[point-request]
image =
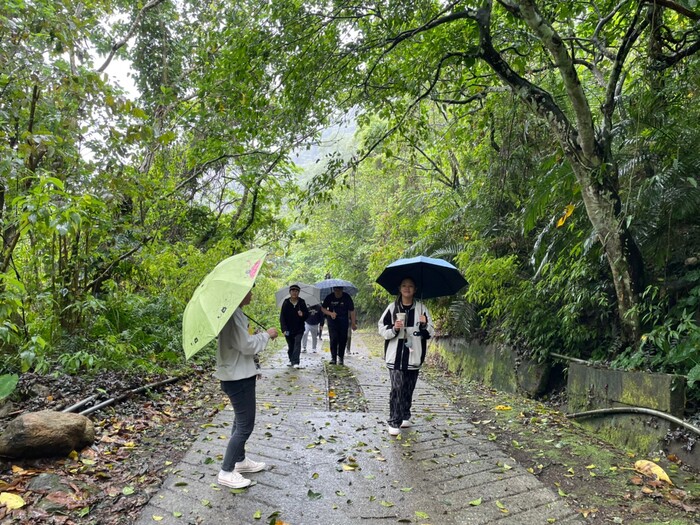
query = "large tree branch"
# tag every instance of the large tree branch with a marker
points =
(675, 6)
(634, 30)
(552, 41)
(539, 100)
(116, 47)
(436, 21)
(105, 274)
(665, 62)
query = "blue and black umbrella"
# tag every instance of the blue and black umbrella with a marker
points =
(326, 286)
(433, 277)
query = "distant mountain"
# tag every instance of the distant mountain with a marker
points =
(337, 138)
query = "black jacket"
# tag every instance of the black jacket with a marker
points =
(290, 320)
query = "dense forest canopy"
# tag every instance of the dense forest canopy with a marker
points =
(547, 148)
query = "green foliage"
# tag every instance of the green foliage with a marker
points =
(114, 206)
(672, 344)
(8, 383)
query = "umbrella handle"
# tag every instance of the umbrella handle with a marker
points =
(257, 323)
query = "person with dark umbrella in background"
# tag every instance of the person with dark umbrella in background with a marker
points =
(293, 314)
(339, 307)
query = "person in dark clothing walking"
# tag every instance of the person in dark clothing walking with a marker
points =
(293, 314)
(313, 327)
(339, 307)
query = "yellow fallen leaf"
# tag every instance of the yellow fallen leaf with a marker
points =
(348, 467)
(586, 512)
(652, 470)
(157, 518)
(503, 407)
(11, 501)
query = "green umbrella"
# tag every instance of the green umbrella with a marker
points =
(217, 297)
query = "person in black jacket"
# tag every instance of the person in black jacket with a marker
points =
(340, 310)
(313, 326)
(293, 314)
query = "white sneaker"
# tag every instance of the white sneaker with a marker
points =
(313, 350)
(232, 479)
(406, 423)
(303, 350)
(248, 465)
(298, 367)
(394, 431)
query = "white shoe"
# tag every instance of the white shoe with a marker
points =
(303, 350)
(313, 350)
(394, 431)
(232, 479)
(406, 423)
(298, 367)
(248, 465)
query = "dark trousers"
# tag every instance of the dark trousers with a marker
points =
(403, 383)
(294, 347)
(242, 396)
(338, 334)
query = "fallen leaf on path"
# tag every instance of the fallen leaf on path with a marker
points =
(11, 501)
(586, 512)
(652, 470)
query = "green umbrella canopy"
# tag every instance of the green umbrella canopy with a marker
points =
(217, 297)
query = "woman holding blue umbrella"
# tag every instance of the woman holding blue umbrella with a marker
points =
(406, 326)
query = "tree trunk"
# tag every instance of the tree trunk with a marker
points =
(623, 255)
(589, 157)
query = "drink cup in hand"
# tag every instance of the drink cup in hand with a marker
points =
(401, 318)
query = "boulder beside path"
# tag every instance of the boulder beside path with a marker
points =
(45, 434)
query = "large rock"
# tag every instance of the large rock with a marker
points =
(46, 433)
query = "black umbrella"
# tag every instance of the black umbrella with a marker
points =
(433, 277)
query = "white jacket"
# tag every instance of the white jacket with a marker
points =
(235, 357)
(397, 354)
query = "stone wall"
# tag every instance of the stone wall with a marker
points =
(591, 387)
(588, 388)
(494, 366)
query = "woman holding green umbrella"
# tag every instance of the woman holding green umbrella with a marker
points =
(237, 370)
(214, 311)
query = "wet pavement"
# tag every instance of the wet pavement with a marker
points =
(338, 468)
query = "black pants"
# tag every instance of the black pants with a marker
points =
(338, 334)
(241, 393)
(294, 347)
(403, 383)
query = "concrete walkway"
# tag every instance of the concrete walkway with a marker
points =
(338, 468)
